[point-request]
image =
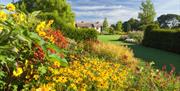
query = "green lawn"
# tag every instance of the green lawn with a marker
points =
(160, 57)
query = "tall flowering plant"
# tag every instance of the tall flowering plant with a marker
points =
(26, 49)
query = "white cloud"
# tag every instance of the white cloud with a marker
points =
(117, 13)
(97, 7)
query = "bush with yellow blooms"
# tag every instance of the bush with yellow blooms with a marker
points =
(26, 50)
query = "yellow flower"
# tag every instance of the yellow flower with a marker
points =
(102, 85)
(26, 63)
(3, 16)
(41, 26)
(36, 77)
(73, 86)
(43, 88)
(21, 17)
(17, 72)
(11, 7)
(84, 85)
(42, 33)
(49, 23)
(51, 38)
(62, 79)
(57, 63)
(15, 15)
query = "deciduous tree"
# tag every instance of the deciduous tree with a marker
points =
(59, 10)
(147, 13)
(119, 26)
(105, 25)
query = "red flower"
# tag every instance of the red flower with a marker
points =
(164, 67)
(172, 70)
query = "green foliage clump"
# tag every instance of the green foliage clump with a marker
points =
(58, 10)
(79, 34)
(137, 36)
(126, 27)
(167, 39)
(119, 26)
(147, 13)
(169, 21)
(105, 27)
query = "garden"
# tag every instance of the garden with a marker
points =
(36, 55)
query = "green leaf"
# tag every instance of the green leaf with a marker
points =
(35, 13)
(42, 69)
(2, 74)
(36, 38)
(53, 46)
(54, 57)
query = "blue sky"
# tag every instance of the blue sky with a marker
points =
(114, 10)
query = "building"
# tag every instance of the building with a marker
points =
(97, 25)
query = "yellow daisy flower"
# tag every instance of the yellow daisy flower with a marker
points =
(11, 7)
(17, 72)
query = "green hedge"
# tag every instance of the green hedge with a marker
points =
(79, 34)
(166, 39)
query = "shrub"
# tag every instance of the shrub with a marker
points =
(144, 27)
(165, 39)
(26, 49)
(136, 35)
(114, 53)
(79, 34)
(147, 78)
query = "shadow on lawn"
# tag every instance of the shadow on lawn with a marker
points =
(160, 57)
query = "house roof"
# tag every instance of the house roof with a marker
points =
(88, 24)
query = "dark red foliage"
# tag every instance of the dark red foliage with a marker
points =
(38, 53)
(52, 50)
(59, 39)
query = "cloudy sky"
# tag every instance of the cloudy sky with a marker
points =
(114, 10)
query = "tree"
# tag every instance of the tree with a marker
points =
(119, 26)
(169, 21)
(126, 26)
(105, 27)
(59, 10)
(134, 23)
(147, 13)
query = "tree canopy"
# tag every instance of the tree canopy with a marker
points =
(119, 26)
(59, 10)
(105, 25)
(147, 13)
(169, 21)
(126, 26)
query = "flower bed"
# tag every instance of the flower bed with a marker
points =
(33, 56)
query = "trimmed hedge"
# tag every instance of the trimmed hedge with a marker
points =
(166, 39)
(79, 34)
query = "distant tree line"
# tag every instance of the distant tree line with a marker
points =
(146, 17)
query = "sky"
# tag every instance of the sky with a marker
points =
(115, 10)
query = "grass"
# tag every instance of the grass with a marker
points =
(160, 57)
